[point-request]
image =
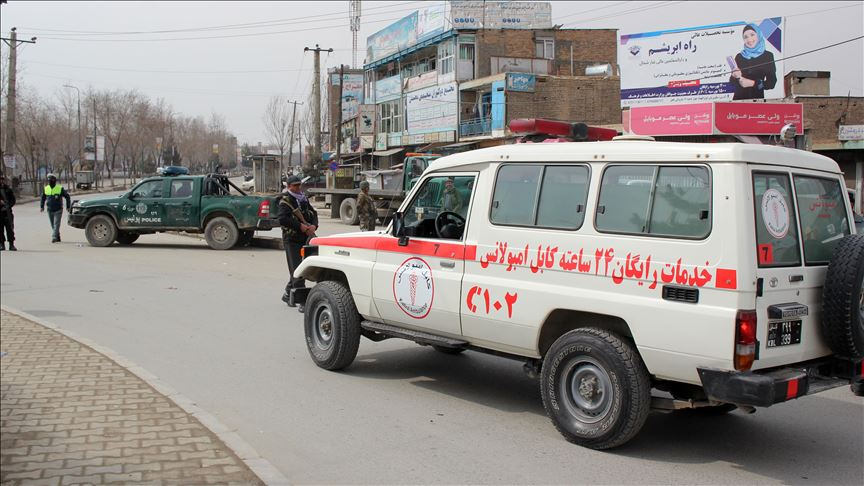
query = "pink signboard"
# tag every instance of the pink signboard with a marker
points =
(758, 118)
(689, 119)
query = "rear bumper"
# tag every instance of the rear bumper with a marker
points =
(764, 388)
(267, 224)
(77, 220)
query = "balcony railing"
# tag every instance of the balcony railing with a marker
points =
(475, 127)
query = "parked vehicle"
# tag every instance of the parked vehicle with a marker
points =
(193, 204)
(387, 188)
(723, 275)
(85, 179)
(248, 183)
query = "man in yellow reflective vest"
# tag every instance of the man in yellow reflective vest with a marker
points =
(54, 194)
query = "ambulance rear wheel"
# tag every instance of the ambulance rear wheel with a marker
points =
(595, 388)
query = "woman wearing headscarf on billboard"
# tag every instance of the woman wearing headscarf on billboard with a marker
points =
(753, 71)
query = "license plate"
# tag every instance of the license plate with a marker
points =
(784, 333)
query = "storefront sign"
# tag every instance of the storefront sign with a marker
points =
(521, 82)
(432, 109)
(851, 132)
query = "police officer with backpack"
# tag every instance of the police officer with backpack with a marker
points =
(299, 220)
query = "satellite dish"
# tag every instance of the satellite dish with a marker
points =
(788, 132)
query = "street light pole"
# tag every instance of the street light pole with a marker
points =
(79, 124)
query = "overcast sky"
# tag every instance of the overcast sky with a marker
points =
(230, 57)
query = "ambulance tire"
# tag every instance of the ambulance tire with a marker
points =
(595, 388)
(332, 325)
(843, 299)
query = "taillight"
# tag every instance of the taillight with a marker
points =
(264, 209)
(745, 339)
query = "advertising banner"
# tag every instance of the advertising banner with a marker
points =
(500, 15)
(432, 109)
(367, 120)
(352, 95)
(690, 119)
(723, 62)
(426, 79)
(757, 118)
(729, 118)
(393, 38)
(388, 88)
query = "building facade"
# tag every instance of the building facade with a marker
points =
(453, 76)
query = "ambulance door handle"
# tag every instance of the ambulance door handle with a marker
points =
(448, 264)
(796, 278)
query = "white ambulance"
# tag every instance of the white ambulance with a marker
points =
(628, 275)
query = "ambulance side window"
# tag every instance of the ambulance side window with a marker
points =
(515, 198)
(823, 217)
(776, 225)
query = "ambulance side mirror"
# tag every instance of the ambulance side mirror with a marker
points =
(399, 229)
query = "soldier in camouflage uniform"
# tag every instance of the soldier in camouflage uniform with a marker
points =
(366, 208)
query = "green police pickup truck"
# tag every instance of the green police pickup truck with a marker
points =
(193, 204)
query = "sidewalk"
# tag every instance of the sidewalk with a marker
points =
(69, 415)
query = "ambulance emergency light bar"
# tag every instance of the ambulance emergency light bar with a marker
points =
(539, 129)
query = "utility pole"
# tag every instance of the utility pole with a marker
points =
(79, 125)
(291, 137)
(339, 115)
(315, 156)
(11, 141)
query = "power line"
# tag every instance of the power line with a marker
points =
(247, 71)
(627, 12)
(257, 34)
(263, 23)
(593, 10)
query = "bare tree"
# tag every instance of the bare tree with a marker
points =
(277, 123)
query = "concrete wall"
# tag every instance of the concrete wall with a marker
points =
(824, 114)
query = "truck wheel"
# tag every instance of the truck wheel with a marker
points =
(332, 326)
(595, 388)
(843, 299)
(100, 230)
(221, 233)
(125, 238)
(348, 211)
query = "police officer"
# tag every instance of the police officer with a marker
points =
(54, 194)
(366, 208)
(299, 220)
(7, 219)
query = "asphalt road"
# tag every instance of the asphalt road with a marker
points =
(210, 324)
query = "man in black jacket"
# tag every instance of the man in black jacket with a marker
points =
(7, 219)
(54, 194)
(299, 220)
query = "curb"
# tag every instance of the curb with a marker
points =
(259, 466)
